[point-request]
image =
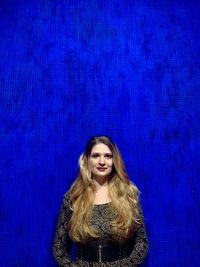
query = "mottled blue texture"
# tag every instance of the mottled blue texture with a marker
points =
(73, 69)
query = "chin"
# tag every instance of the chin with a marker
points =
(103, 174)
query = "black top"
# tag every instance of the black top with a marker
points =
(101, 218)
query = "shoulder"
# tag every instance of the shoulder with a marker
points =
(66, 201)
(66, 196)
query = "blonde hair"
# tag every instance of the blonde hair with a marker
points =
(123, 193)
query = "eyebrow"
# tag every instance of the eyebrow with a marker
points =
(97, 153)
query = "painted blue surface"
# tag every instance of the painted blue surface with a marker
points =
(73, 69)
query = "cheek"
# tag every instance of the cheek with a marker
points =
(92, 163)
(111, 164)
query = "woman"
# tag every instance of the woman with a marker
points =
(101, 213)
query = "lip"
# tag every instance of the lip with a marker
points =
(101, 169)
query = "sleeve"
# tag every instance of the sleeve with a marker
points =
(62, 242)
(141, 246)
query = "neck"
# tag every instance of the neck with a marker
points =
(101, 192)
(100, 183)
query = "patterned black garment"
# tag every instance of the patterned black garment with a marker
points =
(102, 216)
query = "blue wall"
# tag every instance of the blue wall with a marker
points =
(73, 69)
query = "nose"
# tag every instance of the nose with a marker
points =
(101, 161)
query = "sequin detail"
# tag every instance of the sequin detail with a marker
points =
(101, 219)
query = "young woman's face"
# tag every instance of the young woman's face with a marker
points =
(101, 161)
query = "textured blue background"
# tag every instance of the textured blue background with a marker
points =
(73, 69)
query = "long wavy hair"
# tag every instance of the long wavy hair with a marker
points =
(123, 193)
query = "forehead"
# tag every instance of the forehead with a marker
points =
(100, 148)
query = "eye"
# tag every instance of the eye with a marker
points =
(108, 156)
(95, 156)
